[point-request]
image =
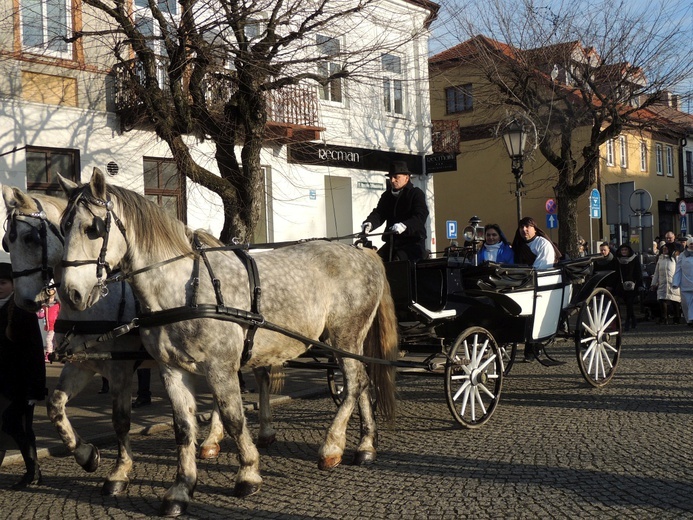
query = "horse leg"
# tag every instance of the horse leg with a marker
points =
(267, 435)
(210, 448)
(366, 450)
(227, 393)
(73, 379)
(180, 389)
(330, 454)
(120, 378)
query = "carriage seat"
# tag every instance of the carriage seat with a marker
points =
(498, 278)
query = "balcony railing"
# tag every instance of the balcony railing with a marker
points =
(445, 135)
(292, 111)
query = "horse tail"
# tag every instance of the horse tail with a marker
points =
(276, 379)
(382, 342)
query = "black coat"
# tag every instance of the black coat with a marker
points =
(409, 208)
(22, 365)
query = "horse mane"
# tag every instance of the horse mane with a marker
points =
(156, 230)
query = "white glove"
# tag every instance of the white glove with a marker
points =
(31, 402)
(366, 227)
(398, 228)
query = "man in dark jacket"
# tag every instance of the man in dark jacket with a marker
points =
(22, 375)
(403, 208)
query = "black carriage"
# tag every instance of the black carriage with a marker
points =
(467, 321)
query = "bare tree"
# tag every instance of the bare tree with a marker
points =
(583, 71)
(217, 69)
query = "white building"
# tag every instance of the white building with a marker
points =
(61, 112)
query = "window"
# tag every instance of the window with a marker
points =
(610, 152)
(459, 99)
(329, 48)
(623, 149)
(45, 25)
(151, 30)
(658, 157)
(42, 165)
(670, 161)
(643, 157)
(392, 83)
(163, 185)
(263, 230)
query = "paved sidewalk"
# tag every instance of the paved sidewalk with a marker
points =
(90, 412)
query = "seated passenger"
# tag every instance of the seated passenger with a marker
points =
(532, 247)
(496, 247)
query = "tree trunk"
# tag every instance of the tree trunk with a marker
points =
(567, 224)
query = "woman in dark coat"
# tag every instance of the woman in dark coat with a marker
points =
(22, 375)
(629, 282)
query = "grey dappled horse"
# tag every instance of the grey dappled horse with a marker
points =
(321, 290)
(35, 245)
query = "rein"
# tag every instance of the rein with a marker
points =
(39, 235)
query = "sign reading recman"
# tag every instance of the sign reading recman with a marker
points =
(348, 157)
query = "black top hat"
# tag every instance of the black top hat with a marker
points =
(398, 167)
(5, 271)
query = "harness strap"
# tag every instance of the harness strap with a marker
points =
(85, 327)
(256, 292)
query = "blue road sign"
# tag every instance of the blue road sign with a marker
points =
(551, 221)
(684, 225)
(451, 226)
(595, 204)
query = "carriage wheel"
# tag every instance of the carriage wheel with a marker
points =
(473, 377)
(508, 352)
(598, 337)
(335, 383)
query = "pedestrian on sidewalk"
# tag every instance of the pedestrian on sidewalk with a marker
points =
(49, 313)
(662, 283)
(22, 376)
(683, 279)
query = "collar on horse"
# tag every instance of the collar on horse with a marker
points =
(99, 228)
(39, 235)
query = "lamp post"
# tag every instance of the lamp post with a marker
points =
(515, 137)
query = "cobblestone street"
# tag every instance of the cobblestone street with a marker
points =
(555, 448)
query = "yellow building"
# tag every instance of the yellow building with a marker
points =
(466, 112)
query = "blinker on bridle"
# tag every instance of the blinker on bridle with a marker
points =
(38, 236)
(99, 228)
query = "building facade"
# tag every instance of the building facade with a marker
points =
(63, 109)
(465, 114)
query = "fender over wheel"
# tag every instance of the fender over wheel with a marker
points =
(598, 337)
(473, 377)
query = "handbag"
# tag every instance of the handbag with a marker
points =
(628, 285)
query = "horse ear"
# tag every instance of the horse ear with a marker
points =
(67, 185)
(98, 184)
(15, 198)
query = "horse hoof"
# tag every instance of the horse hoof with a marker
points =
(329, 462)
(362, 458)
(245, 489)
(112, 488)
(172, 508)
(266, 442)
(92, 464)
(209, 452)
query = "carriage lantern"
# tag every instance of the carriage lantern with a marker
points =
(515, 138)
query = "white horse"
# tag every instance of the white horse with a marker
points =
(35, 244)
(202, 314)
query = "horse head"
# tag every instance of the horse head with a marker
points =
(34, 242)
(92, 246)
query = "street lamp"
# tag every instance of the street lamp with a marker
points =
(515, 138)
